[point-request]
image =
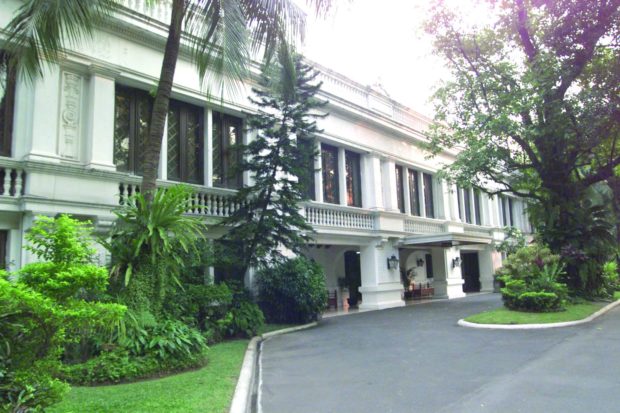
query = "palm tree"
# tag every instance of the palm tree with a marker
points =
(222, 35)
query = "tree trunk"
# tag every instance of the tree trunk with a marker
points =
(162, 98)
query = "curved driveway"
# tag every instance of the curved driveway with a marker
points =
(416, 359)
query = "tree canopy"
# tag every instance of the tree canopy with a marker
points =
(534, 106)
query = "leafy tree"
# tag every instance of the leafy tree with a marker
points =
(280, 160)
(41, 30)
(534, 106)
(149, 243)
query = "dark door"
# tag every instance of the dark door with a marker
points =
(471, 272)
(353, 276)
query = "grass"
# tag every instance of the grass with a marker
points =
(617, 295)
(504, 316)
(209, 389)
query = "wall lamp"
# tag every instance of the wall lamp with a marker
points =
(420, 262)
(392, 262)
(456, 262)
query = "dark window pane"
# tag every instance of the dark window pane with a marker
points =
(467, 202)
(233, 137)
(174, 143)
(414, 192)
(227, 132)
(429, 202)
(216, 155)
(122, 129)
(510, 212)
(306, 175)
(193, 148)
(329, 156)
(7, 104)
(460, 203)
(354, 180)
(144, 106)
(400, 199)
(429, 265)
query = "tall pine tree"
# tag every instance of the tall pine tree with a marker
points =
(281, 162)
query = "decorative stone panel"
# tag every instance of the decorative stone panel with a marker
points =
(70, 115)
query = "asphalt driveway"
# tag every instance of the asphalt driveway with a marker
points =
(416, 359)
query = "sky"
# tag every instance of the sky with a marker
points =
(382, 41)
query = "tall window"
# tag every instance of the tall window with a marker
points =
(307, 155)
(400, 198)
(185, 135)
(329, 167)
(429, 202)
(477, 211)
(414, 191)
(227, 133)
(507, 217)
(132, 114)
(7, 103)
(354, 180)
(467, 205)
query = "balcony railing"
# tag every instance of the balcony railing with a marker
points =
(211, 202)
(338, 217)
(419, 225)
(12, 181)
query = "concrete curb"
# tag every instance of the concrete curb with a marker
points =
(247, 385)
(599, 313)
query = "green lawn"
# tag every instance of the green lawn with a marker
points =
(209, 389)
(504, 316)
(617, 295)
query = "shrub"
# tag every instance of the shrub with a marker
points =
(530, 277)
(49, 305)
(246, 316)
(293, 291)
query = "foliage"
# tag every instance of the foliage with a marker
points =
(148, 243)
(246, 317)
(47, 307)
(208, 389)
(530, 278)
(513, 241)
(293, 291)
(281, 158)
(532, 106)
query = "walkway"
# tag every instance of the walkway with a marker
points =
(416, 359)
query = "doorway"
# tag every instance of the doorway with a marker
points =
(353, 276)
(471, 272)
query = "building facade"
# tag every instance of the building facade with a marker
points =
(72, 143)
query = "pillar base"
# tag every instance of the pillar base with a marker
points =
(382, 296)
(453, 288)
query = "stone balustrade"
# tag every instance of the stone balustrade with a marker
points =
(419, 225)
(338, 216)
(12, 181)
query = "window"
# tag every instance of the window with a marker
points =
(307, 155)
(400, 198)
(477, 212)
(185, 135)
(7, 104)
(429, 202)
(4, 238)
(506, 215)
(414, 192)
(329, 166)
(227, 133)
(353, 178)
(467, 205)
(429, 265)
(132, 115)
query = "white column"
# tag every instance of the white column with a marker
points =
(454, 277)
(421, 194)
(208, 151)
(318, 174)
(381, 287)
(388, 183)
(372, 193)
(485, 262)
(44, 118)
(342, 177)
(100, 119)
(406, 195)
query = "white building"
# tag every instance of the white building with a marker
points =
(71, 144)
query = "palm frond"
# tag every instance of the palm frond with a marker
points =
(42, 29)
